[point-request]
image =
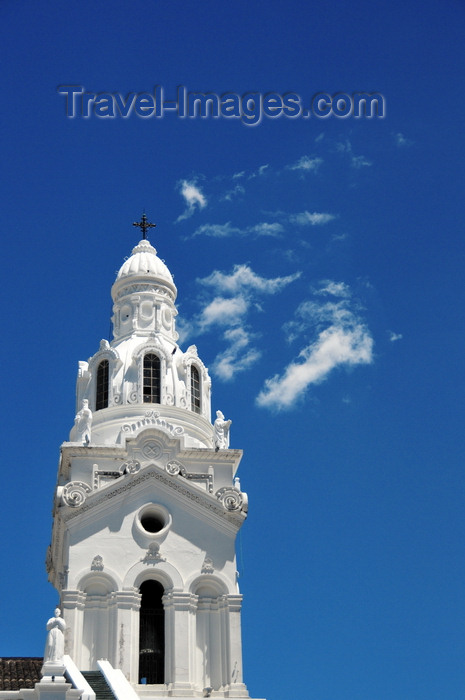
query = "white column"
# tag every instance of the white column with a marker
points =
(216, 646)
(180, 611)
(237, 689)
(126, 637)
(73, 602)
(95, 628)
(202, 668)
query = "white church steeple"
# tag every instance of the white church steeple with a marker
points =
(144, 364)
(144, 294)
(147, 506)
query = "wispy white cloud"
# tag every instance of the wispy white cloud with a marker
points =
(395, 336)
(360, 162)
(230, 314)
(356, 162)
(291, 255)
(235, 295)
(306, 218)
(259, 172)
(266, 229)
(243, 278)
(237, 182)
(193, 196)
(334, 347)
(342, 339)
(218, 230)
(317, 315)
(226, 230)
(223, 312)
(306, 163)
(344, 146)
(303, 218)
(337, 289)
(337, 237)
(235, 191)
(401, 141)
(238, 356)
(185, 328)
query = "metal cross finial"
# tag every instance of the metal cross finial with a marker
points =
(144, 225)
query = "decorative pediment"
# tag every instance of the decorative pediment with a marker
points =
(215, 505)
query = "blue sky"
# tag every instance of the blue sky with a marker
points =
(319, 266)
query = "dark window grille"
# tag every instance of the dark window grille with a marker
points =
(101, 396)
(195, 389)
(151, 380)
(152, 634)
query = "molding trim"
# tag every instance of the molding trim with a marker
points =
(192, 493)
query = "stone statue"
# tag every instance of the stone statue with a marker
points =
(83, 423)
(55, 645)
(221, 428)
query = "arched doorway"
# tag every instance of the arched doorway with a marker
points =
(152, 634)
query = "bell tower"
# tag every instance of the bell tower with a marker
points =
(147, 506)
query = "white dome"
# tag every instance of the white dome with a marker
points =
(144, 263)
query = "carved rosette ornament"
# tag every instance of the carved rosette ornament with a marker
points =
(230, 498)
(151, 450)
(174, 467)
(132, 466)
(75, 493)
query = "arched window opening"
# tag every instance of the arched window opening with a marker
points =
(101, 395)
(151, 382)
(152, 634)
(195, 389)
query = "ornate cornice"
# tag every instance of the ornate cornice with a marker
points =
(144, 288)
(213, 504)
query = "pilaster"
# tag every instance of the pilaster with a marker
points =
(180, 609)
(232, 607)
(73, 604)
(126, 632)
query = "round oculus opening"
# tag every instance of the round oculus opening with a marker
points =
(152, 522)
